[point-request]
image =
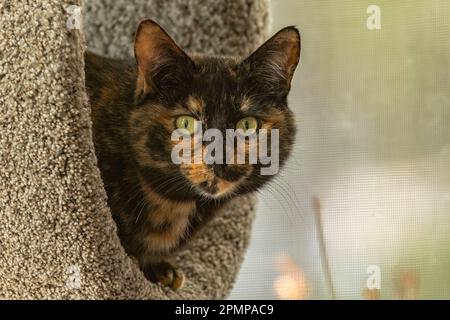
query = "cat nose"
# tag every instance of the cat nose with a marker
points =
(219, 170)
(226, 172)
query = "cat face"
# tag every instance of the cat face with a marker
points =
(196, 94)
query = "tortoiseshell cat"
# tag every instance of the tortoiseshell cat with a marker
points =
(158, 205)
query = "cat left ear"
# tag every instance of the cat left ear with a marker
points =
(276, 60)
(162, 64)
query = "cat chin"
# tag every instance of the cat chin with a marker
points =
(214, 196)
(211, 196)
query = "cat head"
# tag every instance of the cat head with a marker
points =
(176, 91)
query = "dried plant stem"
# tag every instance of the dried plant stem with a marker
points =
(322, 247)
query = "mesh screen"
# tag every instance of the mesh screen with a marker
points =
(362, 210)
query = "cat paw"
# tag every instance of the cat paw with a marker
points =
(166, 274)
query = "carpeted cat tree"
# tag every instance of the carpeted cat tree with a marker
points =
(57, 237)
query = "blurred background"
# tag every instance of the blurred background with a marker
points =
(362, 210)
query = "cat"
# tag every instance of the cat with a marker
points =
(159, 206)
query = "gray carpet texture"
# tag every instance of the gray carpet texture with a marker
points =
(57, 237)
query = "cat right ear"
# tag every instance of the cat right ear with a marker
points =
(162, 64)
(275, 61)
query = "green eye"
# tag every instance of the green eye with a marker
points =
(188, 123)
(247, 124)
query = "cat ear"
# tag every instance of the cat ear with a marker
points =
(275, 61)
(161, 63)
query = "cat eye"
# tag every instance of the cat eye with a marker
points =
(247, 124)
(188, 123)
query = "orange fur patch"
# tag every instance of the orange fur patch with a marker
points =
(275, 118)
(196, 105)
(224, 186)
(246, 104)
(176, 214)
